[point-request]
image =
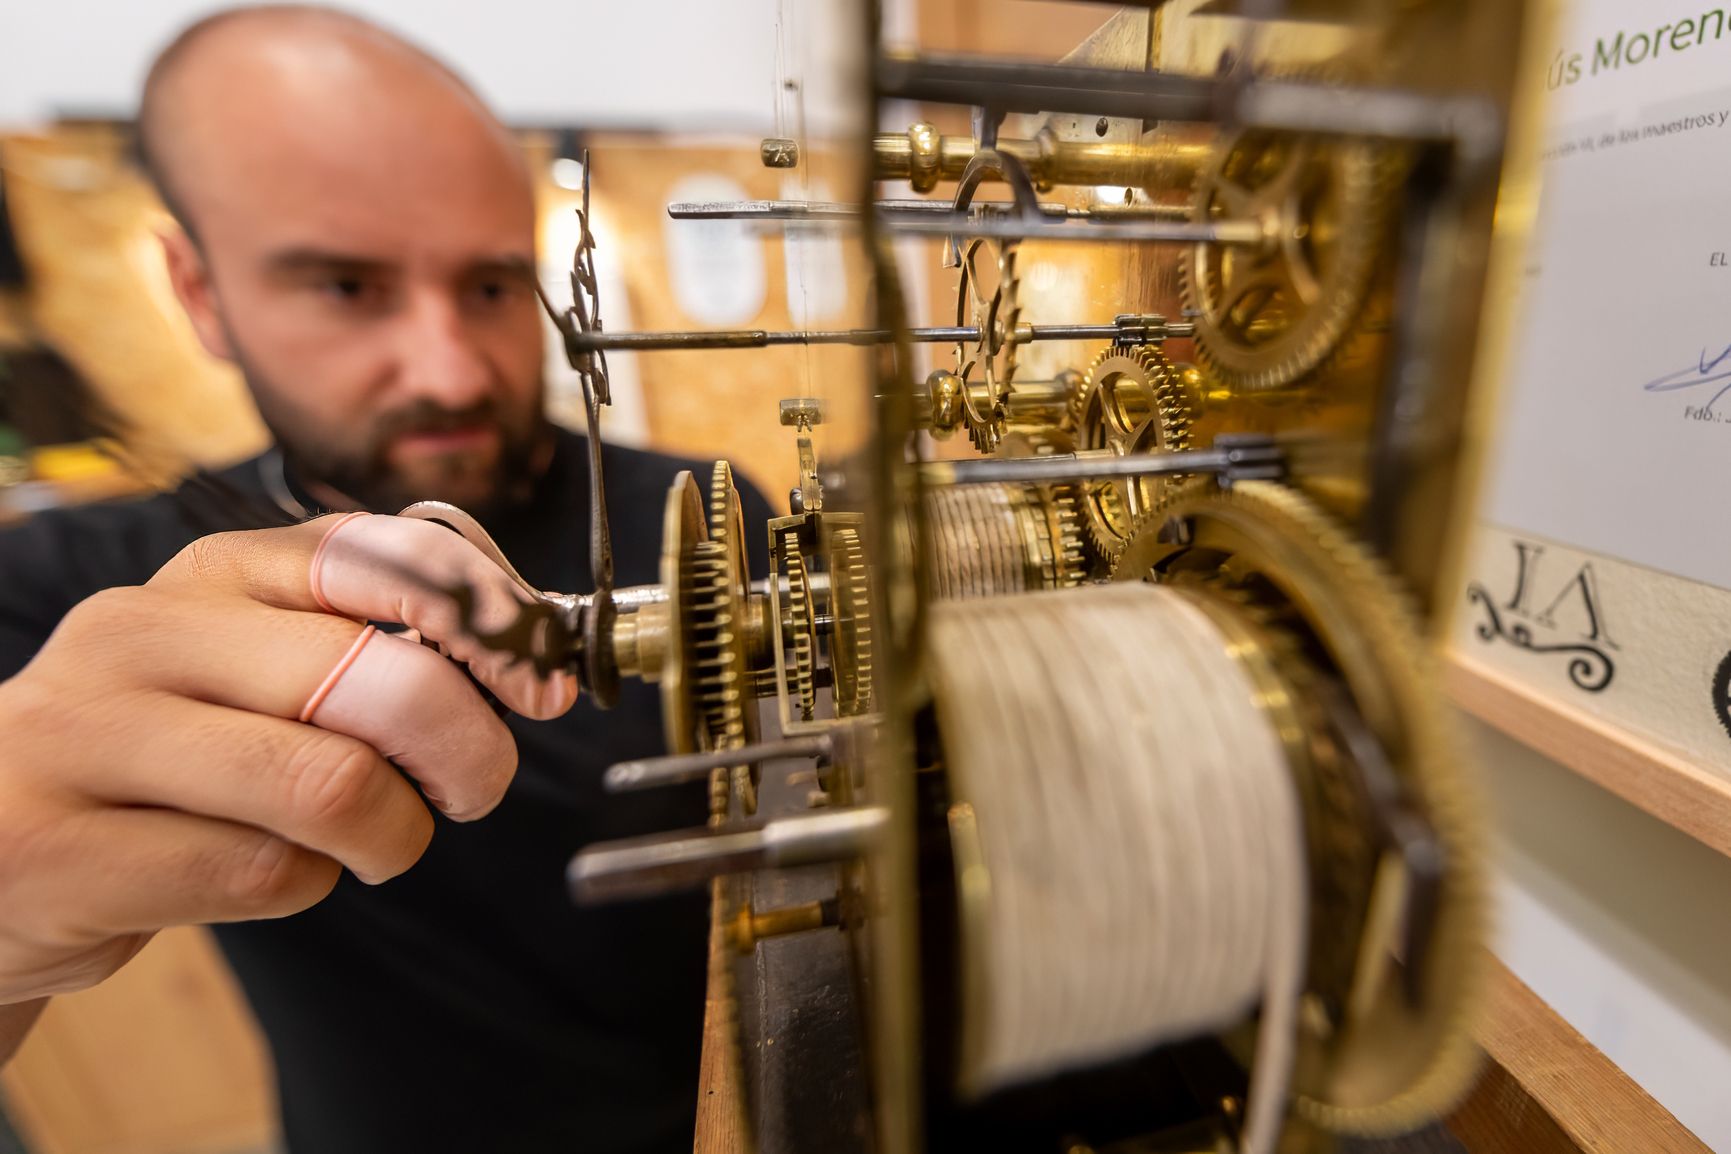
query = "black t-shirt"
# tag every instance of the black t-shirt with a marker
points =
(466, 1005)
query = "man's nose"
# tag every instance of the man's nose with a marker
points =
(440, 358)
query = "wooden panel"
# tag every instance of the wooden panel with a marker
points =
(1027, 28)
(1646, 775)
(1547, 1090)
(721, 1126)
(87, 224)
(163, 1058)
(16, 1019)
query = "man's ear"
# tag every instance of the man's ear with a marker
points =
(190, 276)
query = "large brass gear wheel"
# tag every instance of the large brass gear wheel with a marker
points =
(987, 299)
(683, 529)
(1269, 313)
(1134, 402)
(801, 624)
(726, 520)
(1404, 1052)
(850, 649)
(717, 584)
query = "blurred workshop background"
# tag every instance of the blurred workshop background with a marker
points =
(104, 392)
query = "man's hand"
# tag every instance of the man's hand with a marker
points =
(154, 772)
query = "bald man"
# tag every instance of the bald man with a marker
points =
(202, 727)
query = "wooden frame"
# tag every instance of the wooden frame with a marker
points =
(1547, 1090)
(162, 1058)
(1649, 777)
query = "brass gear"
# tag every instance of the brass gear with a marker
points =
(850, 652)
(716, 662)
(987, 365)
(802, 617)
(727, 519)
(683, 528)
(718, 584)
(1063, 508)
(1077, 398)
(1268, 314)
(1134, 401)
(1393, 1063)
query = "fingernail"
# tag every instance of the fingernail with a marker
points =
(562, 691)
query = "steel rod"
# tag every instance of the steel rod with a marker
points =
(790, 210)
(1235, 232)
(666, 863)
(761, 338)
(652, 772)
(1019, 86)
(1016, 86)
(633, 597)
(828, 211)
(814, 582)
(1150, 223)
(1257, 458)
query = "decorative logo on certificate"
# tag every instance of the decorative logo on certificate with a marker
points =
(1583, 639)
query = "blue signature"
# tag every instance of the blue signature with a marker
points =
(1702, 372)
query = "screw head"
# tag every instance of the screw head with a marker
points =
(780, 153)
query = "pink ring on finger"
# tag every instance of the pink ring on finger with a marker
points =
(336, 673)
(315, 578)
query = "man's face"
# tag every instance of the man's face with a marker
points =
(372, 274)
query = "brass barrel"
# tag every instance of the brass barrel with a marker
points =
(923, 158)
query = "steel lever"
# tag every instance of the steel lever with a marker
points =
(667, 863)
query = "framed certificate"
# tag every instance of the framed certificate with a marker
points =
(1595, 618)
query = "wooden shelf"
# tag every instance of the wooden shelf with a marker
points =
(1547, 1090)
(19, 502)
(162, 1058)
(1646, 775)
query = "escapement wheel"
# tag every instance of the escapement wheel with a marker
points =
(987, 299)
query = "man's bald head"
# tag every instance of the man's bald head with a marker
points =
(358, 235)
(271, 55)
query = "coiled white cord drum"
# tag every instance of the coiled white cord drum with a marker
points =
(991, 539)
(977, 541)
(1140, 831)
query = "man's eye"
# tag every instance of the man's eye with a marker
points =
(493, 291)
(352, 290)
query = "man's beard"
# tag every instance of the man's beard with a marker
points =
(370, 480)
(367, 478)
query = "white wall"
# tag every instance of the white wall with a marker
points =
(689, 64)
(1622, 924)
